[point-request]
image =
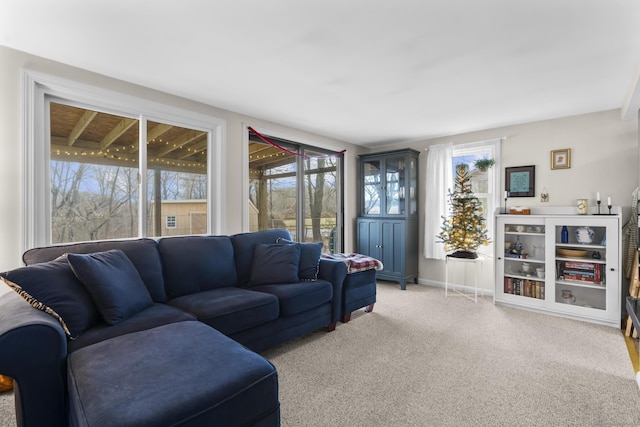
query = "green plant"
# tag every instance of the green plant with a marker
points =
(484, 164)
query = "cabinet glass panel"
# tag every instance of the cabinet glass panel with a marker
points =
(395, 185)
(524, 260)
(580, 259)
(372, 187)
(413, 181)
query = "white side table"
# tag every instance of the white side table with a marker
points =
(478, 264)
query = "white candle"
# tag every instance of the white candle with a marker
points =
(506, 194)
(598, 196)
(608, 201)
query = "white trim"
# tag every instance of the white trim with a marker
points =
(244, 211)
(142, 177)
(38, 86)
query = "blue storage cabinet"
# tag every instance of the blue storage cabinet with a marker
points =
(387, 228)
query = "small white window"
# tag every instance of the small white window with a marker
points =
(484, 184)
(171, 221)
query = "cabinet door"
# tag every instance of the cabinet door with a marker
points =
(393, 238)
(369, 238)
(585, 269)
(395, 185)
(520, 261)
(412, 193)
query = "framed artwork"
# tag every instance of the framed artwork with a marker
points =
(561, 159)
(520, 181)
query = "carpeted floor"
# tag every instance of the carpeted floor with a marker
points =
(422, 360)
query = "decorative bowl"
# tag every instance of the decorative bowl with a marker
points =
(572, 253)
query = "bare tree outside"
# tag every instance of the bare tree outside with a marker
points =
(91, 202)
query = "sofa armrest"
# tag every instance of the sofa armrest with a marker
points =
(34, 349)
(335, 272)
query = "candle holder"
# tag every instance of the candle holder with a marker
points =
(505, 206)
(609, 206)
(598, 201)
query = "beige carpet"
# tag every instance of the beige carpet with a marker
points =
(422, 360)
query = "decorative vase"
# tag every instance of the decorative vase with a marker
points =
(584, 235)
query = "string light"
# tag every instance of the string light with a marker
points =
(107, 154)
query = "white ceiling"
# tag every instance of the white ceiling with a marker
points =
(361, 71)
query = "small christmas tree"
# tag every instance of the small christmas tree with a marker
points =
(465, 230)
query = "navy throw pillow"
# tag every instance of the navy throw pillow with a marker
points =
(54, 284)
(309, 258)
(113, 282)
(274, 264)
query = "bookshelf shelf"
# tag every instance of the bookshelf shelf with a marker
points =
(537, 270)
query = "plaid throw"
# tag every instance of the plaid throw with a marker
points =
(356, 262)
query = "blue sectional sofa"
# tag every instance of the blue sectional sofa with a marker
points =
(160, 332)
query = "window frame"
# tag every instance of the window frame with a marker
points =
(39, 89)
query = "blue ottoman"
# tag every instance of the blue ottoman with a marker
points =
(358, 290)
(184, 373)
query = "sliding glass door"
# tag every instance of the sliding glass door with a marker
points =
(295, 187)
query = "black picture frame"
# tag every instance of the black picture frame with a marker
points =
(520, 181)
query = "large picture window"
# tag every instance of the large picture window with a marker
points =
(103, 166)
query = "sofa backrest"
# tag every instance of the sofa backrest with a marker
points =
(243, 245)
(196, 263)
(143, 253)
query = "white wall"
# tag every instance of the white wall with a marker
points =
(604, 155)
(12, 65)
(604, 158)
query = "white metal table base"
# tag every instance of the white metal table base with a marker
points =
(477, 262)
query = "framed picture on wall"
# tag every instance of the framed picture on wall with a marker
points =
(561, 159)
(520, 181)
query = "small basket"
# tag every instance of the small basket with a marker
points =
(519, 210)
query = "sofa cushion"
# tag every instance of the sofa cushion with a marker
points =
(185, 374)
(274, 264)
(243, 245)
(54, 284)
(113, 282)
(156, 315)
(230, 310)
(197, 263)
(295, 298)
(309, 258)
(143, 253)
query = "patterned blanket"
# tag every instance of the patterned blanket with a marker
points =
(356, 262)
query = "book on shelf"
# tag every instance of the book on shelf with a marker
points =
(582, 271)
(524, 287)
